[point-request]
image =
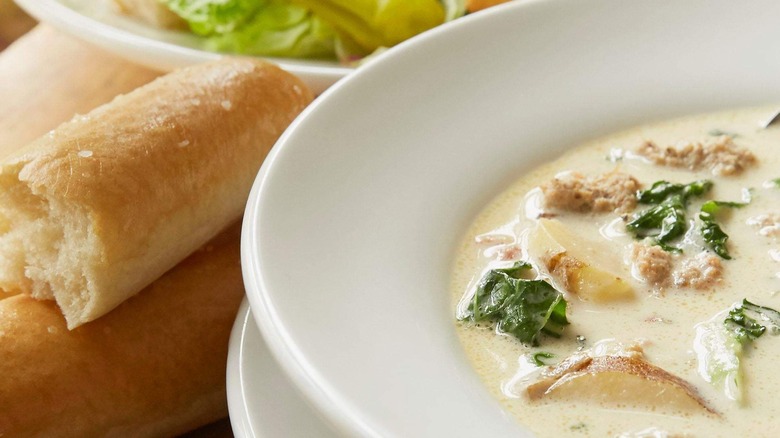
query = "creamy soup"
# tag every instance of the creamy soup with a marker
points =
(648, 350)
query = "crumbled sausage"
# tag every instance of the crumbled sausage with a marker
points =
(768, 224)
(722, 156)
(651, 264)
(614, 191)
(700, 272)
(660, 268)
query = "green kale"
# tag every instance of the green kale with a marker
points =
(713, 235)
(742, 322)
(664, 189)
(523, 308)
(665, 220)
(539, 357)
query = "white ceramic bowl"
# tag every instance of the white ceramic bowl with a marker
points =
(261, 399)
(355, 216)
(97, 22)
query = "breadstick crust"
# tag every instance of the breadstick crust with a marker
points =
(106, 203)
(155, 366)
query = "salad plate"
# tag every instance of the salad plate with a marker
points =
(261, 399)
(98, 23)
(352, 226)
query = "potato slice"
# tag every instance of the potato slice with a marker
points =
(579, 265)
(618, 381)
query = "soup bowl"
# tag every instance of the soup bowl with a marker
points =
(353, 223)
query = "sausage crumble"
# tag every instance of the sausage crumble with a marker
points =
(614, 191)
(722, 156)
(651, 264)
(700, 272)
(656, 267)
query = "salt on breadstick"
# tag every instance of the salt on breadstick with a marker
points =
(155, 366)
(106, 203)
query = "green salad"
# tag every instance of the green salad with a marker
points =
(321, 29)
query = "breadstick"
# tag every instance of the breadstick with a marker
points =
(155, 366)
(106, 203)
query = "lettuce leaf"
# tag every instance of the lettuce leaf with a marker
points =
(280, 30)
(257, 27)
(209, 17)
(351, 29)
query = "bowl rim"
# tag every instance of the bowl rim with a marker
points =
(283, 346)
(335, 410)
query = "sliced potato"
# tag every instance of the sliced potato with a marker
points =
(595, 284)
(579, 265)
(618, 382)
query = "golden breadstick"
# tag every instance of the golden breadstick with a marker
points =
(103, 205)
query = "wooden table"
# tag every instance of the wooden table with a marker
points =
(13, 23)
(45, 78)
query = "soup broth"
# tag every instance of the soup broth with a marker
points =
(671, 293)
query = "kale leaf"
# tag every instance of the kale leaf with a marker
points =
(523, 308)
(665, 220)
(711, 232)
(742, 322)
(663, 189)
(539, 357)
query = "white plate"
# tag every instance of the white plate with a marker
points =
(95, 21)
(355, 217)
(256, 385)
